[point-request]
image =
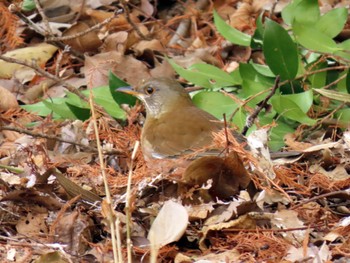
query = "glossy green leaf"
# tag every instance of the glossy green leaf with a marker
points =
(253, 83)
(80, 113)
(215, 103)
(106, 100)
(307, 12)
(74, 99)
(102, 97)
(28, 5)
(277, 133)
(257, 39)
(343, 115)
(318, 80)
(332, 22)
(60, 109)
(42, 110)
(313, 39)
(231, 34)
(239, 119)
(304, 99)
(205, 75)
(335, 95)
(263, 70)
(280, 51)
(288, 13)
(289, 107)
(345, 53)
(119, 97)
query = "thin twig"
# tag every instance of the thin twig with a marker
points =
(53, 137)
(127, 16)
(90, 29)
(59, 60)
(254, 115)
(109, 211)
(127, 203)
(257, 230)
(46, 136)
(226, 134)
(29, 22)
(48, 30)
(319, 197)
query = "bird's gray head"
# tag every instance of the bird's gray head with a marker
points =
(161, 95)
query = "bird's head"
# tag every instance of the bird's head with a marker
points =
(159, 95)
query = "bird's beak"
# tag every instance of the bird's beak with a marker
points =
(128, 90)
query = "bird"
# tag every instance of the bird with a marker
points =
(173, 124)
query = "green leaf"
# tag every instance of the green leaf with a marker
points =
(80, 113)
(304, 99)
(60, 109)
(263, 70)
(277, 133)
(253, 83)
(343, 115)
(332, 22)
(205, 75)
(280, 51)
(74, 99)
(345, 46)
(318, 80)
(119, 97)
(348, 82)
(288, 13)
(257, 42)
(313, 39)
(231, 34)
(307, 12)
(103, 97)
(215, 103)
(335, 95)
(42, 110)
(239, 119)
(28, 5)
(291, 108)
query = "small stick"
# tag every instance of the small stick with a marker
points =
(53, 137)
(127, 16)
(48, 30)
(254, 115)
(90, 29)
(226, 134)
(127, 203)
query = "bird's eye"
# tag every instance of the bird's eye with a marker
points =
(149, 90)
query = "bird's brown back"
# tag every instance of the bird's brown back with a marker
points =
(165, 136)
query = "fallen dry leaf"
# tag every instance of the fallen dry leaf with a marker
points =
(169, 225)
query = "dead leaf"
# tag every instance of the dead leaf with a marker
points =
(74, 229)
(40, 53)
(32, 225)
(85, 43)
(169, 225)
(7, 100)
(289, 219)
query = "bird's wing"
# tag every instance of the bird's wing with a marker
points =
(166, 137)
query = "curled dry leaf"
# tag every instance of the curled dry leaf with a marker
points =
(40, 54)
(227, 174)
(7, 100)
(85, 43)
(169, 225)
